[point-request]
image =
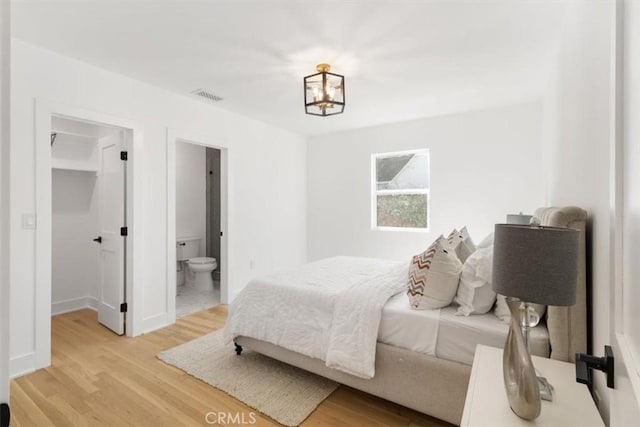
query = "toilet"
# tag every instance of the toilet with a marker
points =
(202, 267)
(195, 268)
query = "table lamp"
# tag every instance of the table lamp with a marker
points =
(531, 264)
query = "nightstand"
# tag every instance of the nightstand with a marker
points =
(487, 405)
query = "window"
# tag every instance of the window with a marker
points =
(400, 190)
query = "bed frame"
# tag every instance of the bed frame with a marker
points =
(438, 387)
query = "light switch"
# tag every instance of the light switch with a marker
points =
(29, 221)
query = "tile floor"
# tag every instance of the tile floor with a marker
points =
(190, 300)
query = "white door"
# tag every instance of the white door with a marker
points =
(625, 337)
(112, 243)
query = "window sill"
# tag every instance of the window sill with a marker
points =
(402, 229)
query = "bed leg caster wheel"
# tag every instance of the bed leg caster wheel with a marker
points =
(238, 349)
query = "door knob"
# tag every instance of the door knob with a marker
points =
(586, 362)
(98, 239)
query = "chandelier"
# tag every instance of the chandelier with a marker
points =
(324, 92)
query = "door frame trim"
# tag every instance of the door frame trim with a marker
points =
(218, 143)
(44, 111)
(625, 356)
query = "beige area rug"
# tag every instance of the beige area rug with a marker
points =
(280, 391)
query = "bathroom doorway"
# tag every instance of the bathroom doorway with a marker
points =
(89, 219)
(198, 172)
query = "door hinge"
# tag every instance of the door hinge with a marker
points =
(123, 307)
(124, 231)
(221, 234)
(124, 156)
(5, 415)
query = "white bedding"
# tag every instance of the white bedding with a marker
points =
(328, 309)
(459, 335)
(337, 308)
(415, 330)
(442, 334)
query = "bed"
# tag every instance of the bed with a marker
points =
(422, 358)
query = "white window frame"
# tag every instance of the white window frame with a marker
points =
(375, 192)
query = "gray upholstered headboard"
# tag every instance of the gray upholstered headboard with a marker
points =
(568, 325)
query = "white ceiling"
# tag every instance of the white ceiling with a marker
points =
(402, 59)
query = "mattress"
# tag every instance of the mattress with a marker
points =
(442, 334)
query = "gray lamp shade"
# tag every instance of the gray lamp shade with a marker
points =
(536, 264)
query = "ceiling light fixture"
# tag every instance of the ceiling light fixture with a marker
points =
(324, 92)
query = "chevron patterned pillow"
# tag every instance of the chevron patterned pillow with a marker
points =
(433, 277)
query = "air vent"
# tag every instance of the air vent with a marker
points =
(207, 95)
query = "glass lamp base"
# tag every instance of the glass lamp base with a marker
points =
(529, 318)
(546, 389)
(521, 384)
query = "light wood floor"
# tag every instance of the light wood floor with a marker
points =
(98, 378)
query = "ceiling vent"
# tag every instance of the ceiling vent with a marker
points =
(207, 95)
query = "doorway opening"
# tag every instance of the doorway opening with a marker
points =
(89, 219)
(198, 227)
(131, 140)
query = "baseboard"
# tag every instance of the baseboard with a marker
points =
(22, 365)
(93, 303)
(153, 323)
(74, 304)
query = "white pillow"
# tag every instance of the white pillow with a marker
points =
(462, 244)
(503, 313)
(486, 242)
(475, 295)
(433, 277)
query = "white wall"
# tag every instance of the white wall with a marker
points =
(577, 143)
(191, 192)
(484, 164)
(4, 200)
(266, 167)
(75, 219)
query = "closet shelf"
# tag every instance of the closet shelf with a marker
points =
(64, 164)
(75, 152)
(75, 134)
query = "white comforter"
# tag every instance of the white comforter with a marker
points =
(328, 309)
